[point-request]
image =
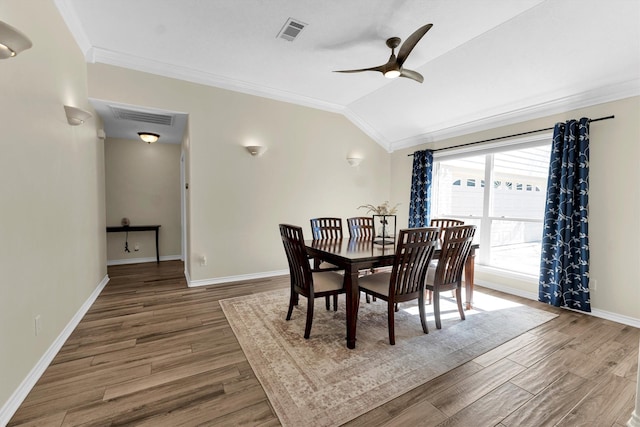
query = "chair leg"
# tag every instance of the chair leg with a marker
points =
(459, 301)
(366, 296)
(390, 320)
(423, 314)
(307, 328)
(327, 303)
(335, 302)
(292, 301)
(436, 308)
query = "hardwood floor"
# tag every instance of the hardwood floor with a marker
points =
(152, 351)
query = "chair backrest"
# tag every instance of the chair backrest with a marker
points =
(360, 227)
(294, 247)
(444, 223)
(456, 245)
(326, 228)
(414, 249)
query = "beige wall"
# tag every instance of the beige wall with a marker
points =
(236, 201)
(53, 251)
(614, 201)
(142, 184)
(52, 244)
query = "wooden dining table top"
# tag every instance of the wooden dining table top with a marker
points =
(359, 250)
(352, 250)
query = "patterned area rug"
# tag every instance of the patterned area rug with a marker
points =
(320, 382)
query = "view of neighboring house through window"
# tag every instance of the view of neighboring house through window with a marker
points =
(509, 213)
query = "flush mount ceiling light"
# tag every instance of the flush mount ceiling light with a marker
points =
(12, 41)
(148, 137)
(256, 150)
(76, 116)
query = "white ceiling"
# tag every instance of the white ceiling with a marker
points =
(485, 62)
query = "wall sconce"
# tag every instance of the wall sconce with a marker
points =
(256, 150)
(354, 161)
(148, 137)
(101, 134)
(12, 41)
(76, 116)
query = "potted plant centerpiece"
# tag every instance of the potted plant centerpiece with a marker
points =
(383, 213)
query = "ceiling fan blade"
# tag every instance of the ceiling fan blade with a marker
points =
(379, 68)
(411, 42)
(410, 74)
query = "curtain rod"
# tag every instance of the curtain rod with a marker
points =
(511, 136)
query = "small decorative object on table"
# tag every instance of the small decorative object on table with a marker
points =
(383, 213)
(125, 222)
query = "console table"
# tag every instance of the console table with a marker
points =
(128, 228)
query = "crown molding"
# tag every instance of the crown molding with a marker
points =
(70, 18)
(105, 56)
(513, 114)
(523, 110)
(365, 127)
(182, 73)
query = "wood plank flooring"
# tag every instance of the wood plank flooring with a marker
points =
(153, 352)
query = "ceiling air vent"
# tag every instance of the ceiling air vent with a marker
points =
(142, 116)
(291, 29)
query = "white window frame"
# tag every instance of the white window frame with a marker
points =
(482, 261)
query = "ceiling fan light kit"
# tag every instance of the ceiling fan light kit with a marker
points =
(393, 68)
(392, 74)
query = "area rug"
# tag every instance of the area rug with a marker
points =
(320, 382)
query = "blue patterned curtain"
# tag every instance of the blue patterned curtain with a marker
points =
(420, 203)
(564, 265)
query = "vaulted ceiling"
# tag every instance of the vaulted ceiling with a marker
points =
(485, 63)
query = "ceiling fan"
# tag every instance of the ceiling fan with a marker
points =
(393, 68)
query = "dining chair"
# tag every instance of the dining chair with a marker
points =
(447, 273)
(406, 280)
(444, 223)
(326, 228)
(360, 227)
(304, 281)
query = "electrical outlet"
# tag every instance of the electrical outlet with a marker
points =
(593, 284)
(203, 260)
(37, 321)
(136, 248)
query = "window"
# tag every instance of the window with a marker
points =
(509, 214)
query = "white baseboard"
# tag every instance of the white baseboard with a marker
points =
(141, 260)
(219, 280)
(603, 314)
(18, 396)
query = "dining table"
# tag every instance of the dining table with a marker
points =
(356, 255)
